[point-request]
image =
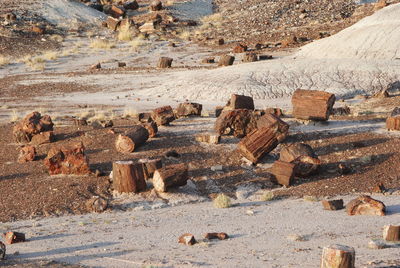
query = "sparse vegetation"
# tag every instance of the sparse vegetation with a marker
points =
(14, 117)
(125, 33)
(4, 61)
(101, 44)
(129, 112)
(56, 38)
(50, 55)
(222, 201)
(136, 43)
(310, 198)
(268, 196)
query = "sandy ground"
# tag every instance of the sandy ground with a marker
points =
(259, 236)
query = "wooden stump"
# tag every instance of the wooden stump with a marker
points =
(150, 166)
(365, 205)
(164, 62)
(2, 251)
(189, 109)
(391, 233)
(306, 165)
(128, 177)
(312, 104)
(393, 123)
(156, 5)
(67, 159)
(332, 204)
(43, 138)
(34, 123)
(27, 154)
(151, 128)
(163, 115)
(238, 122)
(338, 256)
(187, 239)
(250, 57)
(170, 176)
(13, 237)
(96, 204)
(258, 143)
(240, 102)
(131, 139)
(226, 60)
(211, 138)
(271, 121)
(283, 172)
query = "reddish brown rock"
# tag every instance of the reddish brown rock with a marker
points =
(238, 122)
(303, 156)
(34, 123)
(170, 176)
(164, 62)
(338, 256)
(38, 29)
(332, 204)
(393, 123)
(150, 166)
(189, 109)
(67, 159)
(220, 236)
(96, 204)
(275, 111)
(365, 205)
(151, 128)
(128, 177)
(312, 104)
(283, 172)
(187, 239)
(2, 251)
(163, 115)
(113, 23)
(211, 138)
(391, 233)
(43, 138)
(240, 48)
(226, 60)
(13, 237)
(240, 102)
(27, 154)
(131, 139)
(250, 57)
(280, 127)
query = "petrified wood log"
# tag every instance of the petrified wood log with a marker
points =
(312, 104)
(258, 143)
(365, 205)
(240, 102)
(187, 239)
(131, 139)
(212, 138)
(131, 5)
(163, 115)
(391, 233)
(226, 60)
(271, 121)
(220, 236)
(240, 48)
(293, 151)
(113, 23)
(218, 110)
(68, 159)
(238, 122)
(283, 172)
(32, 124)
(306, 165)
(332, 204)
(43, 138)
(393, 123)
(128, 177)
(13, 237)
(338, 256)
(170, 176)
(250, 57)
(164, 62)
(189, 109)
(151, 128)
(150, 166)
(27, 154)
(2, 251)
(96, 204)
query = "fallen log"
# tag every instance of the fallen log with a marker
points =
(13, 237)
(27, 154)
(393, 123)
(258, 143)
(128, 177)
(226, 60)
(250, 57)
(240, 102)
(170, 176)
(163, 115)
(67, 159)
(238, 122)
(303, 156)
(312, 104)
(283, 172)
(131, 139)
(220, 236)
(151, 128)
(2, 251)
(211, 138)
(189, 109)
(150, 166)
(164, 62)
(271, 121)
(365, 205)
(332, 204)
(338, 256)
(391, 233)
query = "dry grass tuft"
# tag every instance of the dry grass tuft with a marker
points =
(129, 112)
(125, 33)
(185, 35)
(102, 44)
(57, 38)
(310, 198)
(14, 117)
(268, 196)
(4, 60)
(50, 55)
(222, 201)
(137, 43)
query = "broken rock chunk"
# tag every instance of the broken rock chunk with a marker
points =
(13, 237)
(365, 205)
(187, 239)
(220, 236)
(332, 204)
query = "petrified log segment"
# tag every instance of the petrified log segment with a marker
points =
(306, 165)
(391, 233)
(151, 128)
(280, 127)
(208, 138)
(31, 125)
(312, 104)
(13, 237)
(283, 172)
(131, 5)
(338, 256)
(293, 151)
(144, 117)
(332, 204)
(170, 176)
(226, 60)
(240, 102)
(150, 166)
(187, 239)
(128, 177)
(164, 62)
(393, 123)
(27, 154)
(131, 139)
(258, 143)
(220, 236)
(237, 122)
(218, 110)
(163, 115)
(2, 251)
(250, 57)
(365, 205)
(43, 138)
(96, 204)
(113, 23)
(188, 109)
(68, 159)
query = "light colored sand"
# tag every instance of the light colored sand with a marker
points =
(258, 233)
